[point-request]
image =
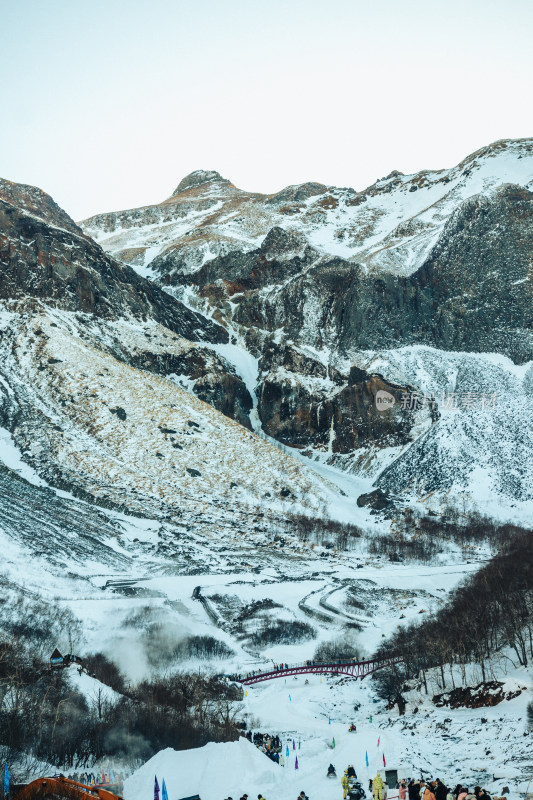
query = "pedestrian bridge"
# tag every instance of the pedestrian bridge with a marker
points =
(353, 669)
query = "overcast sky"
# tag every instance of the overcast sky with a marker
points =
(107, 104)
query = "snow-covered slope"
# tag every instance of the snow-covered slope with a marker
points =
(335, 301)
(316, 712)
(118, 434)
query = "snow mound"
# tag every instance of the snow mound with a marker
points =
(213, 771)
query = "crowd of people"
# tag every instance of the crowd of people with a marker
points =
(301, 796)
(105, 778)
(408, 788)
(269, 745)
(420, 789)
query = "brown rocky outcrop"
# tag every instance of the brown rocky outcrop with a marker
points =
(303, 403)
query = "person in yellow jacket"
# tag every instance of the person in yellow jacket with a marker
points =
(345, 783)
(377, 787)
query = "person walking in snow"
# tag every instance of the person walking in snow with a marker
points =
(345, 783)
(377, 787)
(440, 790)
(402, 791)
(427, 794)
(413, 789)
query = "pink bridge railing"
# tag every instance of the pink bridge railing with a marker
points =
(354, 669)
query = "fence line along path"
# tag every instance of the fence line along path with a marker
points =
(354, 669)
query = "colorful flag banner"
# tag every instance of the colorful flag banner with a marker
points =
(156, 789)
(6, 780)
(164, 793)
(366, 757)
(296, 763)
(384, 762)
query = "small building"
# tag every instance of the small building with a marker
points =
(56, 659)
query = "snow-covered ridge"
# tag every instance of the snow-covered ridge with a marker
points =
(389, 226)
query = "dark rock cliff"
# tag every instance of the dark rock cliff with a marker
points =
(46, 256)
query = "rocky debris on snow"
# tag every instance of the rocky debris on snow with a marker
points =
(378, 500)
(489, 693)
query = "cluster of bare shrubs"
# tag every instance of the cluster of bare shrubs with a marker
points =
(491, 611)
(282, 632)
(165, 646)
(204, 647)
(399, 547)
(336, 650)
(323, 531)
(44, 717)
(249, 611)
(416, 537)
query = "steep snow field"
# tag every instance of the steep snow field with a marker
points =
(118, 432)
(479, 450)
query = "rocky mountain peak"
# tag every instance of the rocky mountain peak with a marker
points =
(198, 178)
(33, 201)
(282, 243)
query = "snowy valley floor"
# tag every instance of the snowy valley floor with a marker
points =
(486, 746)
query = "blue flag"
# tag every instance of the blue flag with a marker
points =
(6, 780)
(156, 789)
(366, 758)
(164, 794)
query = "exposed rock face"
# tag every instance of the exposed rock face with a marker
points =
(282, 254)
(46, 258)
(211, 378)
(198, 178)
(62, 266)
(378, 500)
(473, 293)
(303, 403)
(478, 280)
(298, 194)
(490, 693)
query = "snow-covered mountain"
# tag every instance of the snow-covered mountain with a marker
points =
(340, 294)
(176, 403)
(390, 226)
